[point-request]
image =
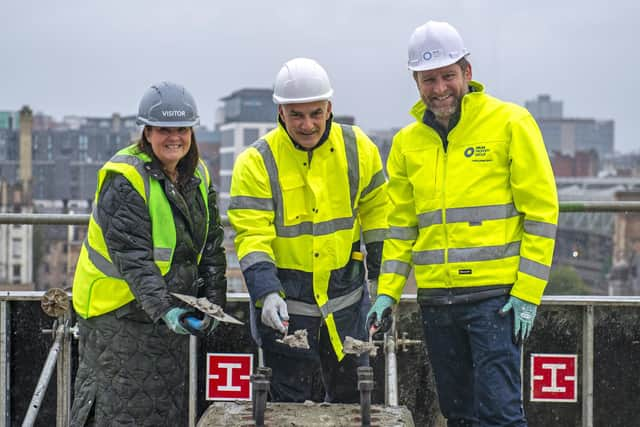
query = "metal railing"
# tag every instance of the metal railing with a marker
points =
(61, 349)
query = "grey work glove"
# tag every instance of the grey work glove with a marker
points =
(524, 313)
(172, 319)
(274, 311)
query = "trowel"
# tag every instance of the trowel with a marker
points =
(208, 308)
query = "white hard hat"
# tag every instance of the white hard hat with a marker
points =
(301, 80)
(434, 45)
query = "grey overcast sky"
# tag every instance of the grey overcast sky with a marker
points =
(78, 57)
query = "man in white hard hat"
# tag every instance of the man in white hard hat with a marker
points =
(305, 199)
(475, 211)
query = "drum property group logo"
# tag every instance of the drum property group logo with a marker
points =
(478, 153)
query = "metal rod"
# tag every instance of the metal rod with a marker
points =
(64, 374)
(83, 219)
(365, 385)
(260, 388)
(587, 366)
(5, 363)
(43, 382)
(391, 366)
(193, 379)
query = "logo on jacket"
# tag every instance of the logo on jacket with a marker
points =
(478, 153)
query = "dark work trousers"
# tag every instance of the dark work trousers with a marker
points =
(293, 369)
(475, 362)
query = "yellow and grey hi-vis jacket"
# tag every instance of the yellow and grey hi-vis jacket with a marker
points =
(301, 213)
(481, 214)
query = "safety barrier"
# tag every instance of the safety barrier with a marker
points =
(60, 354)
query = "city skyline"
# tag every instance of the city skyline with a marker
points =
(74, 58)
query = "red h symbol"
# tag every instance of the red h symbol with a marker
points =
(554, 377)
(229, 376)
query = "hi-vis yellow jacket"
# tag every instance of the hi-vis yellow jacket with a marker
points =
(303, 211)
(482, 213)
(97, 285)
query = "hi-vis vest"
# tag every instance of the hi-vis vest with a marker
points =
(97, 285)
(303, 212)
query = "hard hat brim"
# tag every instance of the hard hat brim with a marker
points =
(282, 100)
(163, 124)
(437, 64)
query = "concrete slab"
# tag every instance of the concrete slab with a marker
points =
(308, 414)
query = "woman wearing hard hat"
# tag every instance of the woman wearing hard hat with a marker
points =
(155, 229)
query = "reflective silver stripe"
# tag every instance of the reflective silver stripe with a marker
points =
(338, 303)
(136, 163)
(94, 215)
(203, 172)
(302, 308)
(247, 202)
(272, 170)
(353, 163)
(484, 253)
(403, 233)
(435, 256)
(430, 218)
(377, 235)
(478, 214)
(376, 181)
(253, 258)
(101, 262)
(396, 267)
(318, 229)
(162, 254)
(534, 268)
(542, 229)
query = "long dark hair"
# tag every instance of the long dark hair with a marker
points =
(186, 166)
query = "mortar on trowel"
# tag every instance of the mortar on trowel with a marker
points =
(296, 340)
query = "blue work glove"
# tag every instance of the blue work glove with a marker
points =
(274, 311)
(524, 313)
(172, 319)
(379, 316)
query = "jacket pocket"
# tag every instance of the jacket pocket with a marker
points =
(294, 197)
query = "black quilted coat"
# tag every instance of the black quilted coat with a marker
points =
(132, 368)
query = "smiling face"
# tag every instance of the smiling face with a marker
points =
(442, 89)
(169, 144)
(306, 122)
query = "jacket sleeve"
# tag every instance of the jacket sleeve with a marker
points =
(126, 227)
(251, 213)
(535, 197)
(373, 203)
(403, 225)
(213, 263)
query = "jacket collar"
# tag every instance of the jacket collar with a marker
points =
(154, 169)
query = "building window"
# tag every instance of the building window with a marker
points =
(17, 247)
(226, 161)
(227, 138)
(17, 271)
(250, 136)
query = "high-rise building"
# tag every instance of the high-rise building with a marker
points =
(544, 108)
(67, 156)
(570, 135)
(247, 115)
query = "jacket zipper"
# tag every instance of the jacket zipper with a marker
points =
(444, 216)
